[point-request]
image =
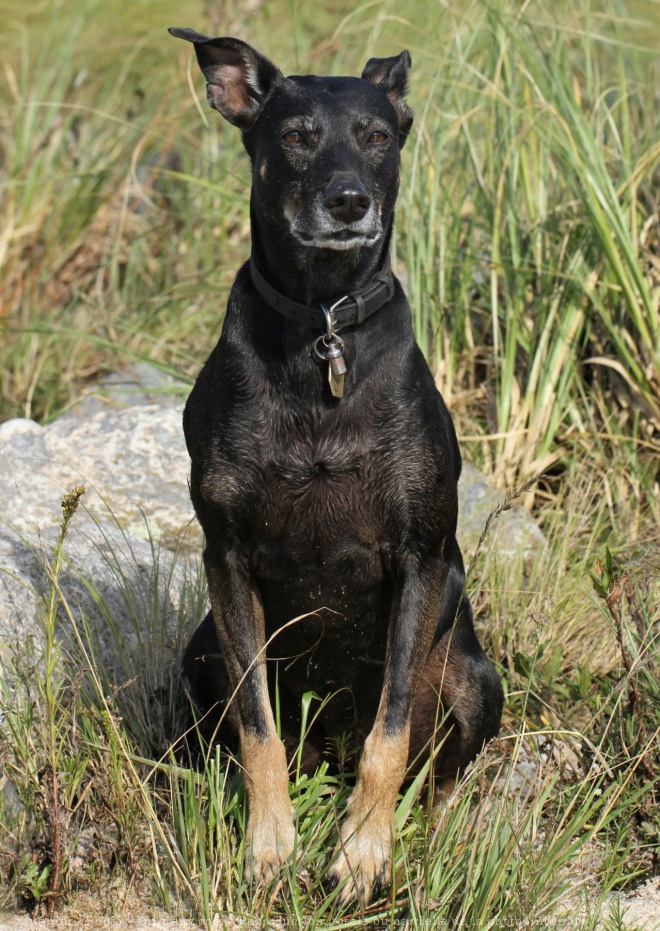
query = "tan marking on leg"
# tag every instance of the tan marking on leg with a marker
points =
(363, 854)
(270, 831)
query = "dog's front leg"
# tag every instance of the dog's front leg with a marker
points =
(363, 855)
(239, 620)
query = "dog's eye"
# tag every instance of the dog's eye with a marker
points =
(378, 137)
(293, 137)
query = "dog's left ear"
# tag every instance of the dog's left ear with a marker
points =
(239, 79)
(391, 75)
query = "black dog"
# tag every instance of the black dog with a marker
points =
(324, 471)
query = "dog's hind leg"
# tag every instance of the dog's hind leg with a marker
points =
(205, 669)
(458, 702)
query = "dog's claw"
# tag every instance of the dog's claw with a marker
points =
(267, 853)
(362, 879)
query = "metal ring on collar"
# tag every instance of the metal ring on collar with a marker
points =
(330, 321)
(326, 338)
(330, 317)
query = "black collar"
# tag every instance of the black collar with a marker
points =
(348, 310)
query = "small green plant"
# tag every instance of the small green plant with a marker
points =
(53, 685)
(616, 919)
(36, 883)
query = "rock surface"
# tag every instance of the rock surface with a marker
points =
(105, 573)
(513, 531)
(134, 465)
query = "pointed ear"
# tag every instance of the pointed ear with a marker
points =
(391, 75)
(238, 79)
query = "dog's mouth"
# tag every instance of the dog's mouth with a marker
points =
(338, 239)
(345, 235)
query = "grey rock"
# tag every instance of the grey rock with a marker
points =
(133, 463)
(22, 585)
(12, 805)
(522, 781)
(117, 571)
(137, 386)
(116, 586)
(511, 532)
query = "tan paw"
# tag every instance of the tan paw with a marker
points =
(362, 860)
(269, 844)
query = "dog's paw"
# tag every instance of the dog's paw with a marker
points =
(362, 860)
(270, 843)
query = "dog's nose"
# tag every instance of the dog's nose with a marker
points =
(347, 201)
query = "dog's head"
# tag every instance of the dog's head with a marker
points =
(325, 151)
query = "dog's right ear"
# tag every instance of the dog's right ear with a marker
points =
(238, 79)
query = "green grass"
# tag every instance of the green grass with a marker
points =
(527, 270)
(528, 236)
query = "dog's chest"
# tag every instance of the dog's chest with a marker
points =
(320, 534)
(319, 486)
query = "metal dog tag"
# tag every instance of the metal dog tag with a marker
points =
(336, 373)
(330, 348)
(336, 369)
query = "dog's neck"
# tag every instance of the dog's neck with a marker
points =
(315, 275)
